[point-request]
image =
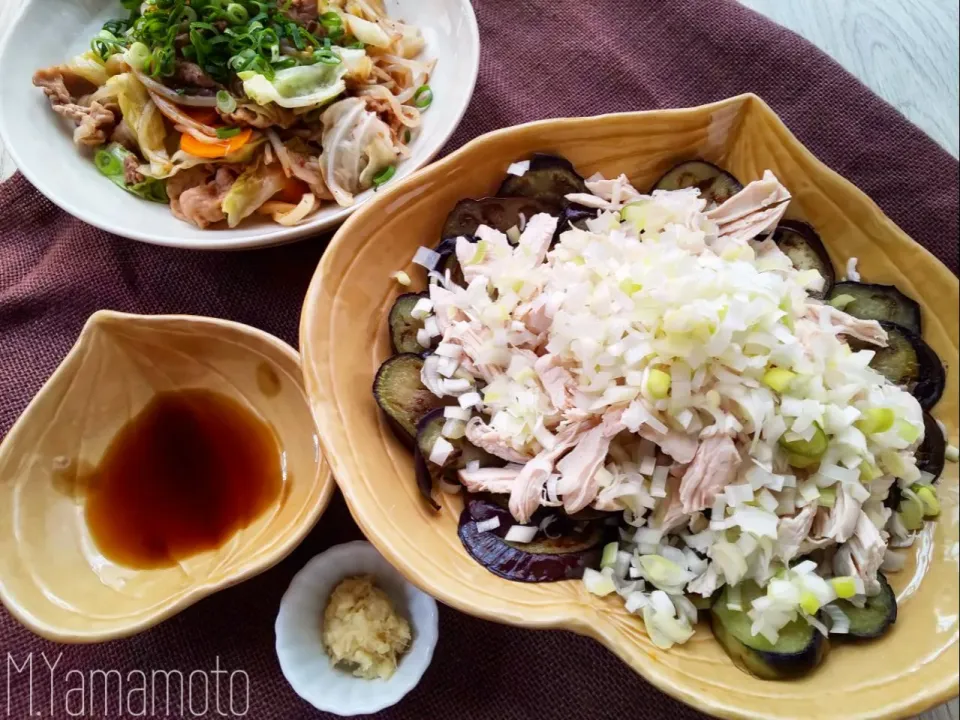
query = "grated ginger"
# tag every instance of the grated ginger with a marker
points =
(362, 631)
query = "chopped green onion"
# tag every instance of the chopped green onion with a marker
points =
(332, 23)
(107, 162)
(137, 55)
(227, 132)
(327, 57)
(875, 420)
(188, 14)
(423, 97)
(406, 136)
(226, 102)
(356, 45)
(384, 176)
(237, 13)
(778, 379)
(110, 162)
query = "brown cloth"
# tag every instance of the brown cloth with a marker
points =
(540, 58)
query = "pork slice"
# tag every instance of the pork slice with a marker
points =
(201, 205)
(95, 123)
(62, 85)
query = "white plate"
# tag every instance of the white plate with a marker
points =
(48, 32)
(299, 629)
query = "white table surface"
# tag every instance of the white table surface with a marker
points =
(904, 50)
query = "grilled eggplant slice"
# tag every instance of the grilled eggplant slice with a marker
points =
(500, 213)
(715, 184)
(909, 362)
(879, 302)
(931, 455)
(400, 394)
(873, 619)
(544, 560)
(403, 326)
(549, 180)
(800, 648)
(801, 243)
(429, 430)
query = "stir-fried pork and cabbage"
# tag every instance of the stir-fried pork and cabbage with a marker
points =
(226, 109)
(667, 395)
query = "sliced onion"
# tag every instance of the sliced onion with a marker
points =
(175, 115)
(280, 150)
(163, 91)
(306, 206)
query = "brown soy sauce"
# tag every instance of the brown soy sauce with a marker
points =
(180, 478)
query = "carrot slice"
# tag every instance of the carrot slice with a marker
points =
(222, 148)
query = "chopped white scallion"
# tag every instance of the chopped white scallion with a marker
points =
(658, 485)
(431, 326)
(425, 257)
(648, 465)
(423, 338)
(839, 622)
(453, 429)
(488, 525)
(470, 400)
(521, 533)
(447, 367)
(518, 168)
(852, 274)
(452, 412)
(441, 451)
(421, 309)
(457, 386)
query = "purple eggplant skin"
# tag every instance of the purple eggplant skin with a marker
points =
(932, 452)
(573, 215)
(566, 558)
(424, 478)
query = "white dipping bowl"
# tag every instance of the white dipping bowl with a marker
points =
(303, 658)
(49, 32)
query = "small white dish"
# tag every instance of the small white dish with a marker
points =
(299, 629)
(49, 32)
